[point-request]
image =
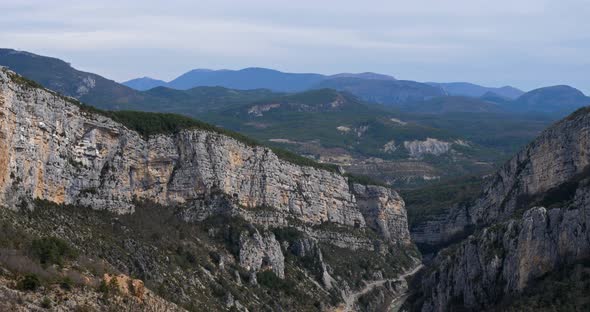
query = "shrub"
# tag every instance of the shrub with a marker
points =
(66, 283)
(270, 280)
(51, 250)
(287, 234)
(103, 287)
(29, 282)
(46, 303)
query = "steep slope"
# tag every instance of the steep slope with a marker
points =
(247, 78)
(557, 156)
(533, 216)
(144, 83)
(473, 90)
(555, 99)
(223, 208)
(388, 92)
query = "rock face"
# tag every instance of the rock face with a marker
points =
(258, 252)
(309, 249)
(442, 229)
(431, 146)
(556, 156)
(53, 150)
(517, 243)
(382, 209)
(505, 258)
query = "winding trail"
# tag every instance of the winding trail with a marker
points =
(351, 298)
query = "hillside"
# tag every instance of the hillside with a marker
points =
(336, 127)
(452, 104)
(58, 75)
(199, 217)
(320, 101)
(555, 99)
(388, 92)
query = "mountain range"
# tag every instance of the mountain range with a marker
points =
(379, 88)
(370, 87)
(247, 78)
(369, 123)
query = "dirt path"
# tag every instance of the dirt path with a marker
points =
(351, 298)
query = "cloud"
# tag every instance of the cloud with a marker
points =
(526, 43)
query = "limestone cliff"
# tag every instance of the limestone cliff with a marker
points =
(506, 258)
(533, 217)
(556, 156)
(52, 149)
(194, 212)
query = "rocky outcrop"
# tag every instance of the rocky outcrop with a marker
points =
(556, 156)
(517, 244)
(261, 252)
(307, 248)
(85, 298)
(431, 146)
(383, 210)
(258, 110)
(126, 285)
(54, 150)
(505, 258)
(442, 229)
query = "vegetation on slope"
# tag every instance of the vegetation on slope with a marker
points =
(566, 289)
(429, 202)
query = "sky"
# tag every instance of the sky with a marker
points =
(527, 44)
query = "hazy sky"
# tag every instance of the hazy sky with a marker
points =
(527, 44)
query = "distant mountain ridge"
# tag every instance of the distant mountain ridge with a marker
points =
(103, 93)
(473, 90)
(144, 83)
(247, 78)
(369, 86)
(562, 99)
(93, 89)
